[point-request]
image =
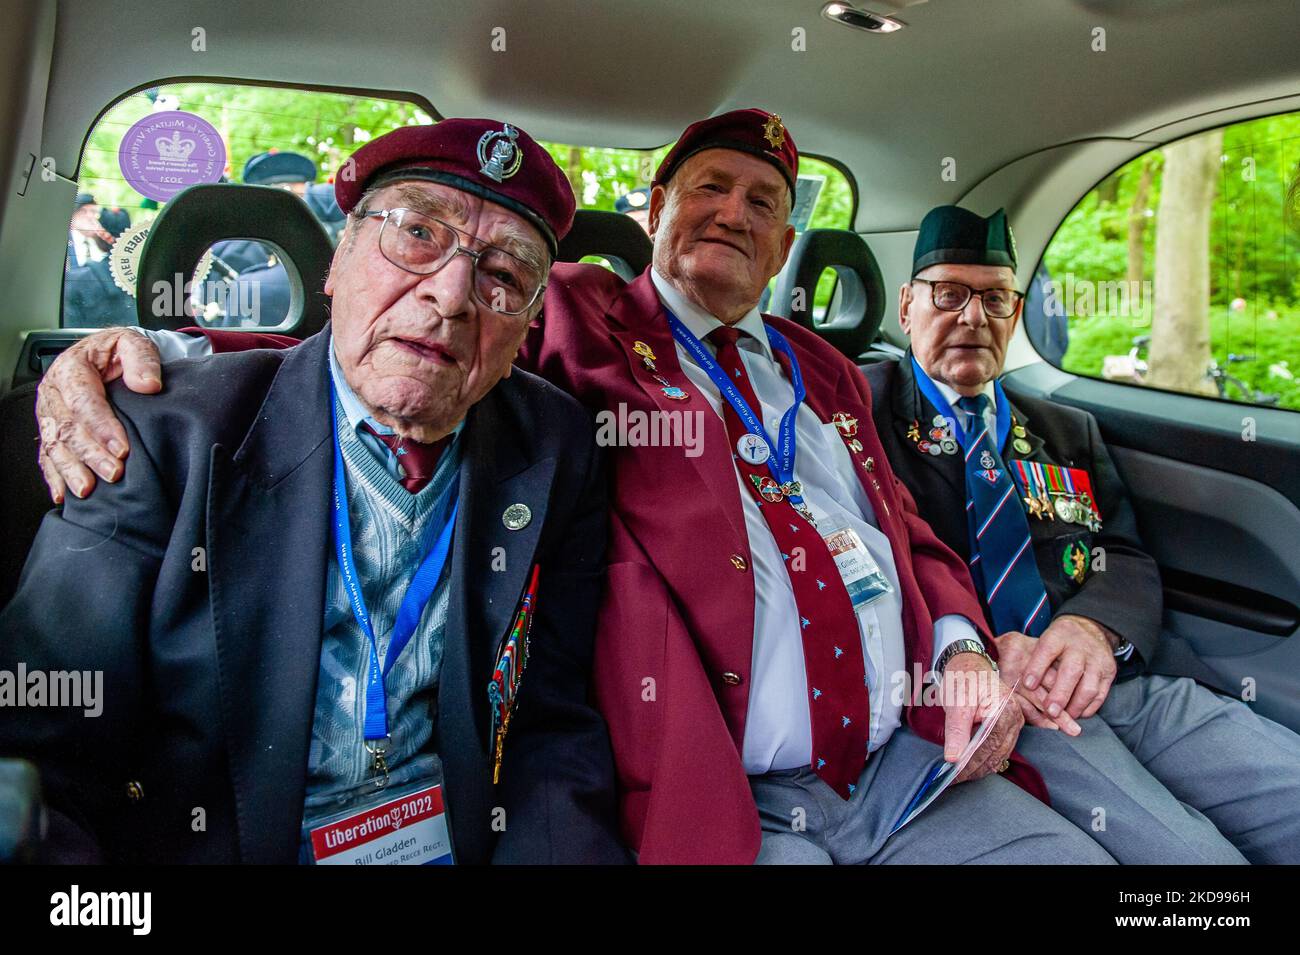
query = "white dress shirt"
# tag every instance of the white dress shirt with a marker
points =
(778, 728)
(85, 250)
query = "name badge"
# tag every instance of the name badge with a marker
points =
(862, 576)
(409, 829)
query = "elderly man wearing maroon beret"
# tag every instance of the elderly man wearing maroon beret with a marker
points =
(314, 611)
(773, 599)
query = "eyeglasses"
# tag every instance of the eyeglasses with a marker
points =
(953, 297)
(422, 245)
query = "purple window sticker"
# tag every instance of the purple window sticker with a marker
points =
(169, 151)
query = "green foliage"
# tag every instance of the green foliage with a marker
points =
(1254, 256)
(328, 126)
(251, 119)
(835, 204)
(1268, 339)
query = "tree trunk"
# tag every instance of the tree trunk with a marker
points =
(1137, 226)
(574, 171)
(1180, 325)
(1108, 189)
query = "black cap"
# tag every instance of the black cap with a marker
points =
(84, 199)
(635, 200)
(114, 220)
(951, 235)
(320, 199)
(271, 167)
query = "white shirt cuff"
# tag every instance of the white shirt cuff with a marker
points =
(175, 345)
(948, 629)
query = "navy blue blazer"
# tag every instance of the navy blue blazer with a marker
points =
(1126, 598)
(210, 666)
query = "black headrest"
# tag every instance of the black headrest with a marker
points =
(203, 215)
(860, 291)
(611, 235)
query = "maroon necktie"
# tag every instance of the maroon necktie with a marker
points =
(418, 461)
(832, 643)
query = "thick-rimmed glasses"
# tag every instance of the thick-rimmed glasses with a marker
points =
(422, 245)
(953, 297)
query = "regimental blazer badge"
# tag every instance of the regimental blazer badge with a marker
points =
(1074, 560)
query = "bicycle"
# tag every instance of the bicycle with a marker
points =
(1222, 380)
(1134, 367)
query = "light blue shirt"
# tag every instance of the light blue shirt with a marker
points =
(357, 415)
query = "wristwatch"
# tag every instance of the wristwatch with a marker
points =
(963, 646)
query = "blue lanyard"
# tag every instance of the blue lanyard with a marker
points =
(418, 592)
(781, 461)
(940, 403)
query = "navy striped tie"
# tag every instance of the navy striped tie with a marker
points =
(1002, 556)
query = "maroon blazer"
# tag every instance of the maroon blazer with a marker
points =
(678, 611)
(679, 606)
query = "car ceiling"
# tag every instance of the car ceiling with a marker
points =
(1009, 89)
(981, 82)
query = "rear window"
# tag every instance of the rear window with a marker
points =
(618, 180)
(150, 145)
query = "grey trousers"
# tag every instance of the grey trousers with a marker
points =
(990, 820)
(1170, 772)
(1217, 755)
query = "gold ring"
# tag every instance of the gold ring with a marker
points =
(1006, 764)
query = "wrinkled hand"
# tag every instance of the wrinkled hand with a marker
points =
(1015, 650)
(80, 435)
(972, 691)
(1074, 660)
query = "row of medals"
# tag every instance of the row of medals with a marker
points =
(1071, 508)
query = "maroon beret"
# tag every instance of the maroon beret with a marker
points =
(753, 131)
(484, 157)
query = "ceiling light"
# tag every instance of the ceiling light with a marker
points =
(861, 19)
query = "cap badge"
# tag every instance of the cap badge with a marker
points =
(499, 154)
(774, 132)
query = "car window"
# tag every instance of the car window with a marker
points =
(619, 180)
(1181, 270)
(150, 145)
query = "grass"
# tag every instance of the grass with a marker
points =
(1263, 336)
